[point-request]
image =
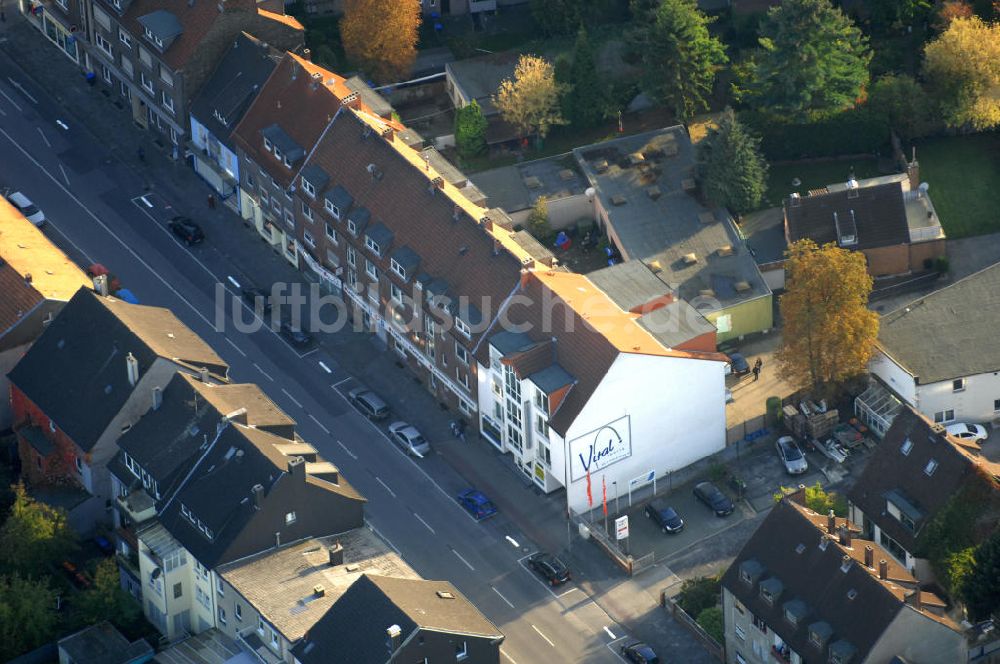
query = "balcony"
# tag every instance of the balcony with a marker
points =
(254, 645)
(139, 506)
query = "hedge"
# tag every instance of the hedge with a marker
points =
(851, 132)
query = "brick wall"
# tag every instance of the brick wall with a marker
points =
(58, 467)
(885, 261)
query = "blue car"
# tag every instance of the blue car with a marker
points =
(477, 504)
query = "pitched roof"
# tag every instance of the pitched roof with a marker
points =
(234, 85)
(191, 23)
(280, 583)
(25, 250)
(877, 212)
(76, 371)
(949, 321)
(902, 479)
(848, 604)
(373, 603)
(301, 105)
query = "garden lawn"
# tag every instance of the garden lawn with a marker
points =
(814, 175)
(964, 177)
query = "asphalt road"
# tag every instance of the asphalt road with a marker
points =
(96, 214)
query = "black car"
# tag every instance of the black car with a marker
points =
(253, 295)
(713, 497)
(296, 335)
(550, 568)
(665, 517)
(188, 231)
(738, 364)
(639, 653)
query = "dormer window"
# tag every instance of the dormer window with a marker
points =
(373, 246)
(745, 577)
(308, 188)
(218, 116)
(287, 162)
(352, 227)
(397, 268)
(267, 144)
(766, 595)
(907, 446)
(930, 467)
(463, 328)
(117, 4)
(153, 38)
(791, 618)
(332, 209)
(277, 153)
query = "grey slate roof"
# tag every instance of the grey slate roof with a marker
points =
(76, 371)
(407, 259)
(380, 234)
(661, 226)
(339, 197)
(360, 216)
(879, 216)
(163, 24)
(289, 148)
(374, 602)
(551, 378)
(943, 335)
(508, 342)
(233, 86)
(316, 176)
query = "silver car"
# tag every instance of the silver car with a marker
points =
(410, 439)
(790, 454)
(27, 208)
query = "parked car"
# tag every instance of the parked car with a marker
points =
(790, 455)
(369, 403)
(550, 568)
(187, 230)
(296, 335)
(639, 653)
(26, 207)
(714, 499)
(738, 365)
(665, 517)
(972, 432)
(410, 439)
(477, 504)
(253, 295)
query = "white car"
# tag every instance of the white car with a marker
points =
(791, 456)
(27, 208)
(962, 431)
(410, 439)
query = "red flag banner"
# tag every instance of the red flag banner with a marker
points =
(604, 495)
(590, 496)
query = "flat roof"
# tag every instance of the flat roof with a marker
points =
(645, 184)
(518, 187)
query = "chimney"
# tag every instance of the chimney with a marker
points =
(317, 80)
(883, 569)
(869, 557)
(394, 632)
(258, 495)
(307, 55)
(845, 536)
(101, 285)
(913, 172)
(915, 599)
(132, 366)
(157, 398)
(27, 279)
(297, 467)
(831, 522)
(388, 133)
(319, 590)
(336, 554)
(203, 374)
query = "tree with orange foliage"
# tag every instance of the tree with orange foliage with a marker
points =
(381, 37)
(949, 11)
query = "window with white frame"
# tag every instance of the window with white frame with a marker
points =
(352, 227)
(545, 454)
(267, 146)
(168, 102)
(103, 44)
(124, 38)
(307, 211)
(395, 293)
(371, 270)
(352, 256)
(290, 518)
(958, 385)
(222, 616)
(943, 416)
(461, 354)
(331, 208)
(373, 246)
(238, 612)
(462, 327)
(308, 187)
(931, 466)
(219, 587)
(331, 233)
(106, 73)
(153, 38)
(541, 425)
(397, 268)
(146, 81)
(906, 447)
(289, 218)
(461, 651)
(542, 401)
(277, 152)
(308, 239)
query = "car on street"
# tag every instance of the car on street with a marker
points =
(26, 207)
(252, 295)
(477, 504)
(664, 516)
(738, 365)
(550, 568)
(791, 456)
(714, 499)
(639, 653)
(187, 230)
(369, 403)
(410, 439)
(962, 431)
(295, 334)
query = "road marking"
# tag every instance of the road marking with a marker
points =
(340, 382)
(563, 594)
(385, 486)
(513, 542)
(65, 177)
(266, 375)
(44, 137)
(502, 597)
(427, 525)
(547, 639)
(294, 400)
(15, 105)
(611, 634)
(238, 349)
(324, 367)
(512, 660)
(145, 201)
(63, 125)
(462, 559)
(349, 453)
(321, 426)
(22, 90)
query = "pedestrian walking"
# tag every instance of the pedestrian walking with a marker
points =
(211, 202)
(756, 369)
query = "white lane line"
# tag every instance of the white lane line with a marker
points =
(107, 229)
(340, 382)
(324, 367)
(385, 486)
(426, 525)
(294, 400)
(349, 452)
(44, 137)
(513, 542)
(504, 653)
(547, 639)
(65, 177)
(611, 634)
(238, 349)
(14, 104)
(266, 375)
(507, 601)
(321, 426)
(571, 590)
(463, 559)
(22, 90)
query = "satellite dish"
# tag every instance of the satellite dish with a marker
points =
(591, 192)
(924, 187)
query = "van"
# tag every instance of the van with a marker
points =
(369, 403)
